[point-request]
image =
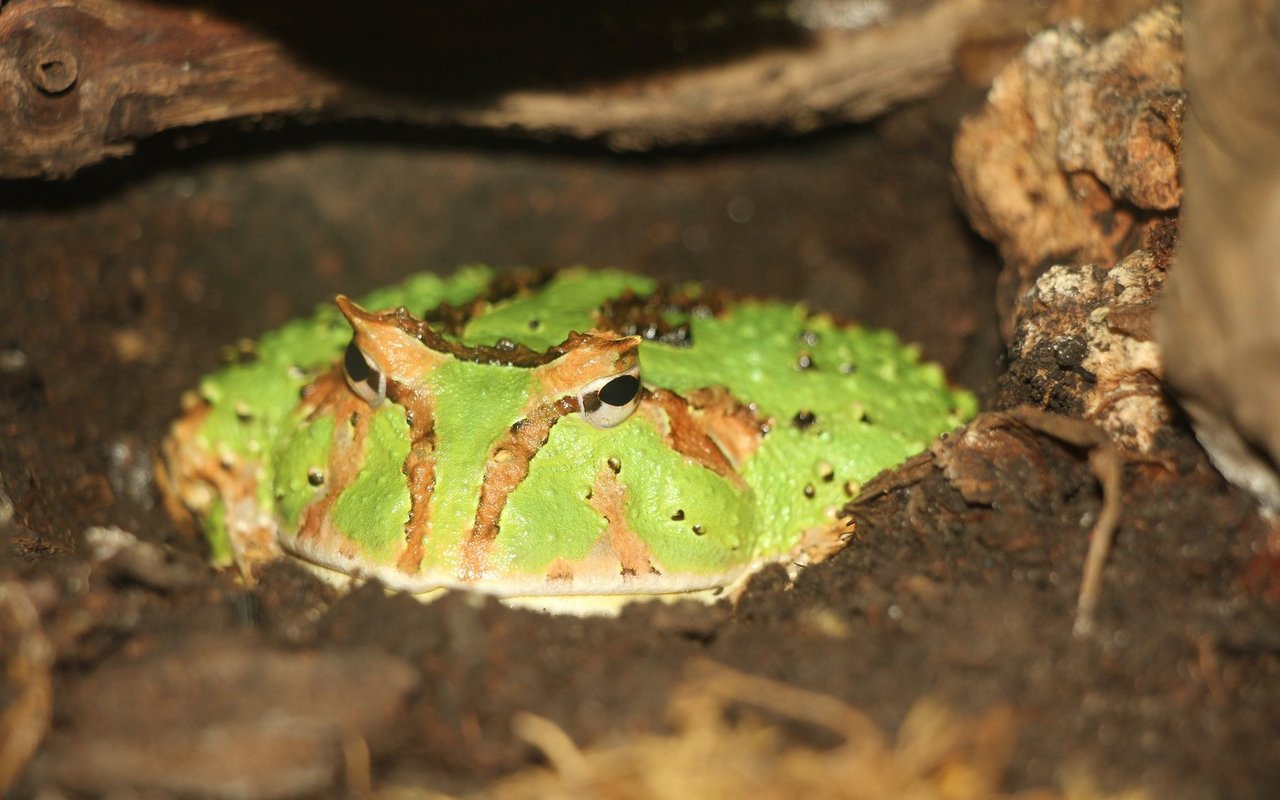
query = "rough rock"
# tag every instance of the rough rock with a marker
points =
(1075, 152)
(1084, 346)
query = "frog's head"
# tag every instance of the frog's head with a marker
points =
(392, 352)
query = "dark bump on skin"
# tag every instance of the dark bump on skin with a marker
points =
(354, 420)
(809, 491)
(679, 515)
(804, 419)
(698, 530)
(654, 316)
(517, 425)
(848, 368)
(315, 477)
(590, 493)
(808, 337)
(804, 362)
(534, 324)
(243, 412)
(614, 465)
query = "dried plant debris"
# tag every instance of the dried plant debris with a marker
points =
(26, 685)
(1083, 345)
(1075, 153)
(121, 556)
(715, 753)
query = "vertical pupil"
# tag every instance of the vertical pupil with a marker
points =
(621, 390)
(357, 368)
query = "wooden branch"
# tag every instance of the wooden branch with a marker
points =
(84, 80)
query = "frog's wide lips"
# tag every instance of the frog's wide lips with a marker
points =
(601, 583)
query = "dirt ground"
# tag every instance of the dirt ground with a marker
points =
(119, 289)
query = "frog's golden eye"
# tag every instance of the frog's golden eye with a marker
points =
(608, 401)
(363, 378)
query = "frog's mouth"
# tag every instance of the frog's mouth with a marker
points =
(607, 604)
(537, 591)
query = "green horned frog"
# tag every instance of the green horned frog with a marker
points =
(576, 433)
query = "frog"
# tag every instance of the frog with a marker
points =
(549, 434)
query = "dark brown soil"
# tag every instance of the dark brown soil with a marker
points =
(121, 288)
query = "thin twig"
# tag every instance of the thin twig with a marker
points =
(25, 722)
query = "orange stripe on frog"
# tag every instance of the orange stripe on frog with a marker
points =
(630, 550)
(420, 470)
(329, 395)
(710, 427)
(507, 467)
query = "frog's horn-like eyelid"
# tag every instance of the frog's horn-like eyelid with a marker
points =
(360, 320)
(351, 309)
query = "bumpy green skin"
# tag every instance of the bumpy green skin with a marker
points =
(875, 404)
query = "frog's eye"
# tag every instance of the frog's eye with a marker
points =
(608, 401)
(363, 378)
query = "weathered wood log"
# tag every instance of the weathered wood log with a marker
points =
(1220, 319)
(84, 80)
